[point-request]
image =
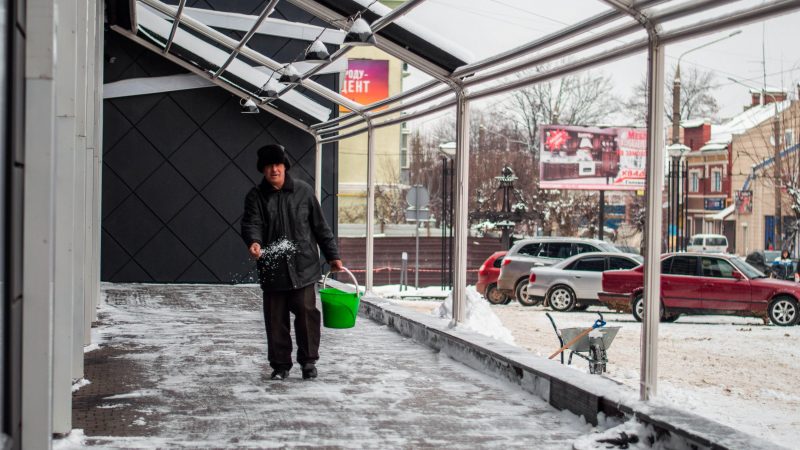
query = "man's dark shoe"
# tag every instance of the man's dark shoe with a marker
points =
(309, 371)
(280, 374)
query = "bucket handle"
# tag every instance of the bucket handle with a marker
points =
(325, 278)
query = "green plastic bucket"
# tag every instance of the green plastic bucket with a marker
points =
(339, 308)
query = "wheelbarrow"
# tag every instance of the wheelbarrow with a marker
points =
(587, 343)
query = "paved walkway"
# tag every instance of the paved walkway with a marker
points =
(185, 366)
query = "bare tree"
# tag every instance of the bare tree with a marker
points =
(697, 99)
(585, 99)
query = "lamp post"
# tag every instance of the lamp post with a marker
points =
(776, 148)
(676, 87)
(508, 141)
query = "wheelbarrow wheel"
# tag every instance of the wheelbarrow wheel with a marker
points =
(597, 360)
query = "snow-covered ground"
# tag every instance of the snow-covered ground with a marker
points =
(734, 370)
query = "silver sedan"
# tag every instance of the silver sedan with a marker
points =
(575, 282)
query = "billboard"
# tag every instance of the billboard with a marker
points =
(572, 157)
(366, 81)
(744, 202)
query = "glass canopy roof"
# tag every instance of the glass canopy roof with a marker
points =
(457, 45)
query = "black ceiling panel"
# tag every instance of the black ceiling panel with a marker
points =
(114, 192)
(198, 225)
(231, 130)
(201, 107)
(166, 126)
(132, 224)
(115, 126)
(135, 108)
(166, 192)
(199, 159)
(198, 273)
(165, 257)
(133, 158)
(228, 258)
(112, 256)
(226, 192)
(132, 272)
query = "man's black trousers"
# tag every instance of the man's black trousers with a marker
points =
(277, 306)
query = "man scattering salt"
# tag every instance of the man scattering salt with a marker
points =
(283, 228)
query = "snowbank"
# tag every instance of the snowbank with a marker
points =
(480, 317)
(75, 439)
(633, 435)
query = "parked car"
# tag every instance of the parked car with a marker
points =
(487, 279)
(575, 282)
(708, 243)
(546, 251)
(705, 284)
(769, 262)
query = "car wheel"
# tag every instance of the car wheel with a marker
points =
(522, 294)
(561, 298)
(637, 308)
(494, 296)
(783, 311)
(670, 319)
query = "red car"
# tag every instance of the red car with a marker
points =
(487, 279)
(705, 284)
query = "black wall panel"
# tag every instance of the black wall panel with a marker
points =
(176, 168)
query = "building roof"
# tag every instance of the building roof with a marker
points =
(751, 117)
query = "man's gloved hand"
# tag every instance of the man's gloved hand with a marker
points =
(336, 265)
(255, 250)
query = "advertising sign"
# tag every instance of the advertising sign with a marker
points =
(744, 202)
(573, 157)
(366, 81)
(714, 204)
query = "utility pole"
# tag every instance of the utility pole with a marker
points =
(776, 129)
(676, 87)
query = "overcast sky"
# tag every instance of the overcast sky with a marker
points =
(487, 27)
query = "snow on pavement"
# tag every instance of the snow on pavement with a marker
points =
(733, 370)
(198, 377)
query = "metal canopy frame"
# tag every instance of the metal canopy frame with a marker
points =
(481, 79)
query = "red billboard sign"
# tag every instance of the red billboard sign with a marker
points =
(366, 81)
(573, 157)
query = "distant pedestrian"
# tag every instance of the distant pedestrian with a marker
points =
(284, 229)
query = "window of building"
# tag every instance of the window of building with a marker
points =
(405, 132)
(788, 138)
(694, 182)
(716, 181)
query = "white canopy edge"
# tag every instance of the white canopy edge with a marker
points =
(257, 76)
(270, 26)
(722, 214)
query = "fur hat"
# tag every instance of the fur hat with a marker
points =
(272, 154)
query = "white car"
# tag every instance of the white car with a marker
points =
(575, 282)
(708, 243)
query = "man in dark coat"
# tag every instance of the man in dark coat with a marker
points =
(284, 229)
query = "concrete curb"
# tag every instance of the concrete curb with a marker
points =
(563, 388)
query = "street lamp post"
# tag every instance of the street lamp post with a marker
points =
(676, 87)
(777, 163)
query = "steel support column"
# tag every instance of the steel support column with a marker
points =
(654, 183)
(370, 205)
(65, 200)
(38, 223)
(461, 221)
(318, 168)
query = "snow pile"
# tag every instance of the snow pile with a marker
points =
(480, 317)
(632, 435)
(79, 384)
(75, 439)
